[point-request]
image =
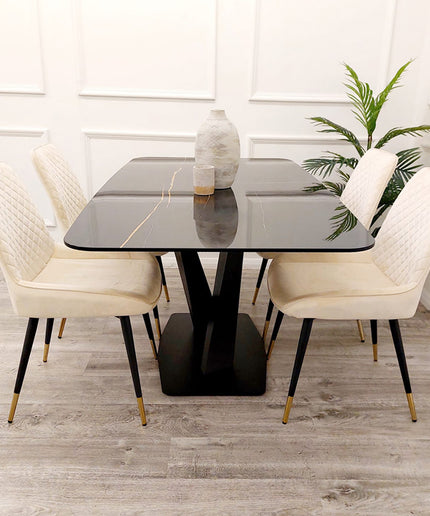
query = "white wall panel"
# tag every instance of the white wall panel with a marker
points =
(16, 145)
(20, 48)
(106, 152)
(142, 48)
(298, 47)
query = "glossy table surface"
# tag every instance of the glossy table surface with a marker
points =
(149, 205)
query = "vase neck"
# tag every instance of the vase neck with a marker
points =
(218, 114)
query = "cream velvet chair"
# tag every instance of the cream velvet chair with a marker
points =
(386, 284)
(68, 200)
(361, 196)
(42, 283)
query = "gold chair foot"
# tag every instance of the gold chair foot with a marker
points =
(141, 411)
(411, 406)
(265, 330)
(13, 407)
(154, 349)
(375, 352)
(60, 331)
(270, 349)
(158, 328)
(45, 352)
(166, 293)
(254, 299)
(288, 406)
(361, 331)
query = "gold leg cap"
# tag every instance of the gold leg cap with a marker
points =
(45, 352)
(60, 331)
(269, 351)
(254, 299)
(158, 328)
(141, 411)
(13, 407)
(411, 406)
(154, 349)
(166, 293)
(361, 331)
(266, 327)
(288, 406)
(375, 352)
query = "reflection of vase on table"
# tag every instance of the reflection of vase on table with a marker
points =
(218, 144)
(216, 218)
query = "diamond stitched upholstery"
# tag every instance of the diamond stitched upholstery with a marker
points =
(367, 184)
(25, 244)
(63, 187)
(402, 248)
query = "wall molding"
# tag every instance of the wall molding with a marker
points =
(30, 132)
(94, 134)
(261, 139)
(109, 93)
(276, 97)
(30, 89)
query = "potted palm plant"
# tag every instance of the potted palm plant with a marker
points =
(366, 108)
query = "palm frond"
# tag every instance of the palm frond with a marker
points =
(407, 164)
(393, 84)
(399, 131)
(332, 127)
(361, 96)
(335, 188)
(342, 221)
(325, 165)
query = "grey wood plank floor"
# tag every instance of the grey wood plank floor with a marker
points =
(76, 445)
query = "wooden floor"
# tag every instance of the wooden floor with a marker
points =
(77, 447)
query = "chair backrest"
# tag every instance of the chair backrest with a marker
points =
(367, 184)
(25, 244)
(402, 247)
(62, 185)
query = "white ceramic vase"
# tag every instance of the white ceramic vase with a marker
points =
(218, 144)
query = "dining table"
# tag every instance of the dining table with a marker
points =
(149, 206)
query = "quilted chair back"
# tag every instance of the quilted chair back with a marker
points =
(367, 184)
(402, 248)
(25, 244)
(62, 185)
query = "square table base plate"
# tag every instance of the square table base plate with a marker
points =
(180, 362)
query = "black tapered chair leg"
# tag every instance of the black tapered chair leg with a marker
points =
(374, 331)
(259, 279)
(276, 327)
(127, 333)
(157, 321)
(163, 278)
(267, 321)
(25, 355)
(400, 352)
(150, 334)
(300, 355)
(48, 334)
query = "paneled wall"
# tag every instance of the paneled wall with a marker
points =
(109, 80)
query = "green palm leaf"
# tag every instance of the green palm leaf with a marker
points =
(342, 221)
(325, 165)
(332, 127)
(398, 131)
(361, 96)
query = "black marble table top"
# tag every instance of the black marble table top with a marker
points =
(149, 205)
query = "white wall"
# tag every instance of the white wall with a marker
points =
(108, 80)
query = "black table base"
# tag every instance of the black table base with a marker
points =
(180, 362)
(213, 350)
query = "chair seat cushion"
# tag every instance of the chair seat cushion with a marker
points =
(91, 288)
(338, 290)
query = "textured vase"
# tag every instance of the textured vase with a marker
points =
(218, 144)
